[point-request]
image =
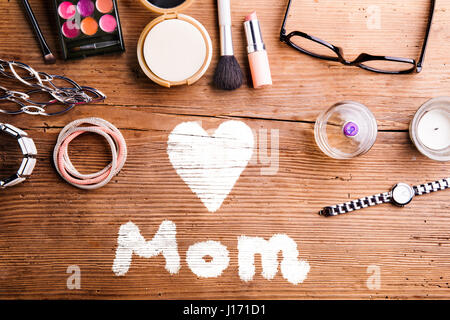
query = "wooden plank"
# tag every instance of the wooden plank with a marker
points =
(47, 225)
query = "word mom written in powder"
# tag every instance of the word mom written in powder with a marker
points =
(130, 241)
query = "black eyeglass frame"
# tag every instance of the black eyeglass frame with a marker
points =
(363, 57)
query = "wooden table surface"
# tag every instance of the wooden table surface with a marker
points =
(46, 225)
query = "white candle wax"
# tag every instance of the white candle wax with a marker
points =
(433, 129)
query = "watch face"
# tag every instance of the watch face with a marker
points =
(402, 194)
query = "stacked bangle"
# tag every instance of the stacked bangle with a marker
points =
(94, 180)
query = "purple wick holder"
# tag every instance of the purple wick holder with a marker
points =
(350, 129)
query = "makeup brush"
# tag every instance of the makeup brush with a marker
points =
(228, 75)
(49, 58)
(98, 45)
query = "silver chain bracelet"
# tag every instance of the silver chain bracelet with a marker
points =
(69, 96)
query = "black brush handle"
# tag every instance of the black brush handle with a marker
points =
(44, 46)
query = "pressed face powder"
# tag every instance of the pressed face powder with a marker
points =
(174, 50)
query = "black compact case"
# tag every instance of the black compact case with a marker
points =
(88, 27)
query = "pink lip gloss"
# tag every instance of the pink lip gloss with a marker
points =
(257, 54)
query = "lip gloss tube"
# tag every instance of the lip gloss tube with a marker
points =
(257, 54)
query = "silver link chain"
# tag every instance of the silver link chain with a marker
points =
(69, 96)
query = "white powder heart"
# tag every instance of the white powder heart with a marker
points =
(210, 164)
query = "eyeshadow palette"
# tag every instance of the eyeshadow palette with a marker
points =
(88, 27)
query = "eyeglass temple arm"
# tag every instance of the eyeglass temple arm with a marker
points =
(283, 27)
(425, 42)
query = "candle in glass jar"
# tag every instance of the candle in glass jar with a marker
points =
(433, 129)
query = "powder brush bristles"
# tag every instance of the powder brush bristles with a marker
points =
(228, 75)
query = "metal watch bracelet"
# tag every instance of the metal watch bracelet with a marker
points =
(29, 152)
(400, 195)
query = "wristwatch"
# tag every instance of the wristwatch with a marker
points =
(400, 195)
(29, 152)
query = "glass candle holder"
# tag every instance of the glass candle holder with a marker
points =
(430, 129)
(346, 130)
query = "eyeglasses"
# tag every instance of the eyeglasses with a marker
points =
(321, 49)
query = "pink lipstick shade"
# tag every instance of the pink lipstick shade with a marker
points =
(251, 16)
(257, 54)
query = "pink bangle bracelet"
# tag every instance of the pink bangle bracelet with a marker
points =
(94, 180)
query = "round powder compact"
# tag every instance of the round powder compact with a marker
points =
(181, 57)
(174, 49)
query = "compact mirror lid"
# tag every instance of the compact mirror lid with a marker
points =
(166, 6)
